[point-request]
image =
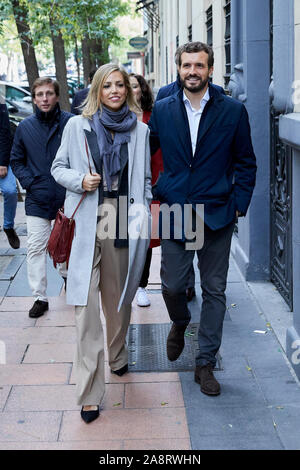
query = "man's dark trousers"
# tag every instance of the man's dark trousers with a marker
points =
(213, 263)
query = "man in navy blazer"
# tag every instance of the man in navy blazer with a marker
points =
(208, 160)
(164, 92)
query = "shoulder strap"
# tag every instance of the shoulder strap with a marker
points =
(81, 199)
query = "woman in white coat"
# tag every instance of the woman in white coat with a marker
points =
(105, 152)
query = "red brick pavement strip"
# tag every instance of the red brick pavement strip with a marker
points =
(126, 423)
(38, 407)
(140, 444)
(140, 410)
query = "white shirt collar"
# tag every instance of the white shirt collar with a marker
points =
(203, 102)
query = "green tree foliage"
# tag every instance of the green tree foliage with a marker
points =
(75, 23)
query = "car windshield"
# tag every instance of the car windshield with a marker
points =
(14, 94)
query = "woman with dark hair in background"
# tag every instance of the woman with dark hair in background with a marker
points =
(144, 99)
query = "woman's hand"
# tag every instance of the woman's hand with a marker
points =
(91, 182)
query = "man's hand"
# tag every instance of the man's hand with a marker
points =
(91, 182)
(3, 171)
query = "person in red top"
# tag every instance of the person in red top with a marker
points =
(144, 98)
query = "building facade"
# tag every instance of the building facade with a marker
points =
(257, 60)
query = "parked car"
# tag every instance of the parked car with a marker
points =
(18, 97)
(16, 114)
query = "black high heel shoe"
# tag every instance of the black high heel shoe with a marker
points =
(121, 371)
(89, 416)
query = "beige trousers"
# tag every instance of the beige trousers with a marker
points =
(109, 272)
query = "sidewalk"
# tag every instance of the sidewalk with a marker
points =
(259, 407)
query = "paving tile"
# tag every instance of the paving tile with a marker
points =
(26, 426)
(147, 377)
(236, 442)
(134, 424)
(133, 377)
(63, 317)
(25, 303)
(34, 335)
(270, 364)
(230, 420)
(14, 352)
(42, 398)
(34, 374)
(114, 397)
(4, 285)
(279, 390)
(287, 419)
(49, 353)
(4, 392)
(12, 304)
(16, 319)
(234, 392)
(77, 445)
(20, 286)
(157, 444)
(156, 313)
(57, 398)
(153, 395)
(234, 366)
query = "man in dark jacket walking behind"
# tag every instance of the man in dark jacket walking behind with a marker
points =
(7, 180)
(208, 160)
(36, 142)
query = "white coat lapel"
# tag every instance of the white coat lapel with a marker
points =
(131, 151)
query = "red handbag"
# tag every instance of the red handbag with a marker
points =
(62, 234)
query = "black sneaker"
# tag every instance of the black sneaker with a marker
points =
(12, 237)
(38, 309)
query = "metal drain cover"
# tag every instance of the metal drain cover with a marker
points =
(147, 349)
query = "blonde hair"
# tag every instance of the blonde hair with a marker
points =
(92, 102)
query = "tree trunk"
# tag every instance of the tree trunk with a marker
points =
(86, 62)
(77, 60)
(21, 18)
(98, 52)
(60, 67)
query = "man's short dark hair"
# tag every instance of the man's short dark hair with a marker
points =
(45, 81)
(191, 47)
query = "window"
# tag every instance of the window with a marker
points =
(14, 94)
(227, 11)
(209, 26)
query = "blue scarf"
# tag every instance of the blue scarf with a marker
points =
(120, 122)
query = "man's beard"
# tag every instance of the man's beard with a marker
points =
(194, 89)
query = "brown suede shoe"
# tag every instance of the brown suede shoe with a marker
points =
(175, 341)
(208, 383)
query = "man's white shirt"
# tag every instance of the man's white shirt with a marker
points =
(194, 116)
